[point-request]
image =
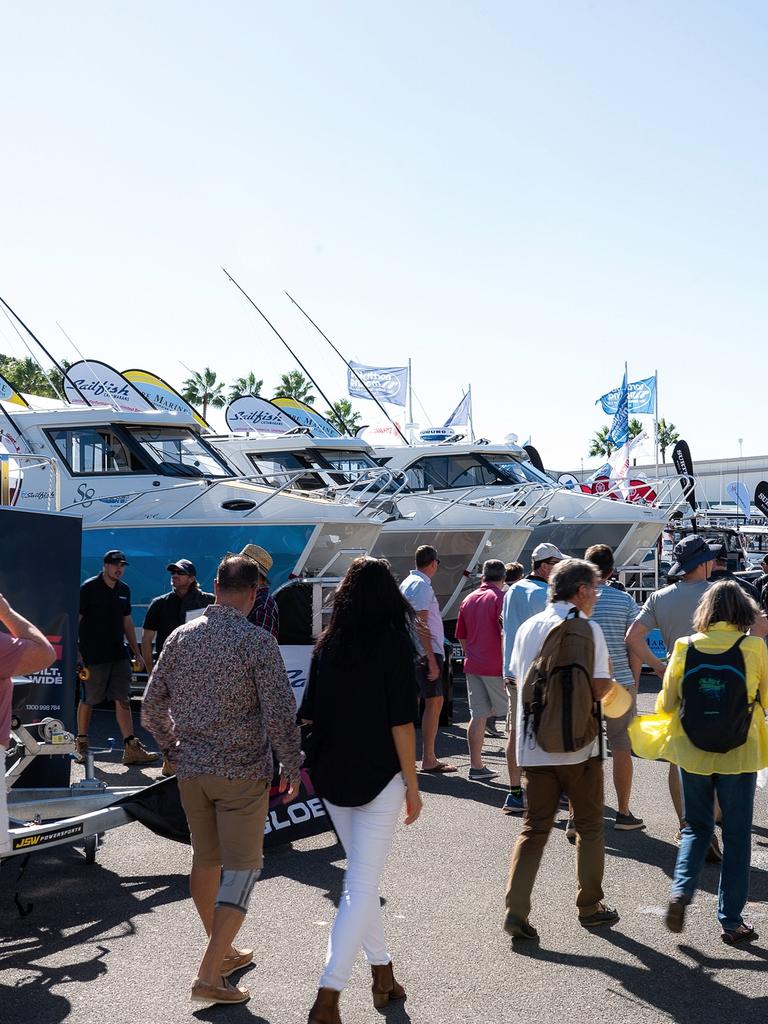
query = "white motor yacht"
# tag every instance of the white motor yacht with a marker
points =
(501, 476)
(150, 485)
(463, 534)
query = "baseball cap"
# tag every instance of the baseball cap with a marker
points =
(544, 551)
(691, 552)
(115, 557)
(182, 565)
(261, 557)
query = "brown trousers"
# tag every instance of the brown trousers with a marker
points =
(583, 785)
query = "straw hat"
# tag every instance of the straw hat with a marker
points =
(617, 701)
(261, 557)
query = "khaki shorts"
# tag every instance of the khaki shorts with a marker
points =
(226, 819)
(108, 681)
(616, 728)
(486, 696)
(511, 706)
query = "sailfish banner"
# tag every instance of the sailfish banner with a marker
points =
(95, 383)
(162, 395)
(8, 393)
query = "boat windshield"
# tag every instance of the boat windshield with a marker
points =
(516, 470)
(275, 469)
(350, 467)
(443, 471)
(178, 451)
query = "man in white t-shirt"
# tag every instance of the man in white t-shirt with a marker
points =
(578, 773)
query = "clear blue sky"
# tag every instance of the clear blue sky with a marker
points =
(517, 195)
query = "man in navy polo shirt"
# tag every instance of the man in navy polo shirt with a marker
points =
(105, 624)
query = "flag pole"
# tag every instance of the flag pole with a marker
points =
(410, 401)
(656, 418)
(471, 424)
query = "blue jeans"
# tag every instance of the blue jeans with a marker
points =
(736, 794)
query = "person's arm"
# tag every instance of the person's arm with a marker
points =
(639, 650)
(404, 738)
(762, 684)
(760, 625)
(279, 709)
(670, 697)
(460, 633)
(147, 637)
(422, 629)
(130, 635)
(156, 707)
(602, 683)
(37, 652)
(635, 661)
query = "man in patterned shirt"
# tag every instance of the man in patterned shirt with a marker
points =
(218, 702)
(265, 611)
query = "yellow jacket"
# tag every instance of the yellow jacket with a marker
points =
(662, 735)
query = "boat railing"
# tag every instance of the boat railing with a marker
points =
(663, 488)
(29, 461)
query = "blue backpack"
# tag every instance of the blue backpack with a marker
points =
(715, 712)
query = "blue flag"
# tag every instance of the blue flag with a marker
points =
(619, 434)
(462, 414)
(641, 398)
(387, 383)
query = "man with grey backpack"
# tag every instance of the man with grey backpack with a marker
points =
(562, 662)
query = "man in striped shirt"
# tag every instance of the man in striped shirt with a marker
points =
(615, 612)
(265, 612)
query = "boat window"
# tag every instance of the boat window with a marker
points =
(444, 471)
(516, 470)
(178, 451)
(95, 450)
(348, 467)
(278, 468)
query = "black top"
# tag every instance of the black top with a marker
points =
(726, 574)
(354, 704)
(169, 611)
(102, 636)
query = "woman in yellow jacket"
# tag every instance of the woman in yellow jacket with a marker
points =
(697, 700)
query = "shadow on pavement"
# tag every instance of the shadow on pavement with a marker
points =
(678, 991)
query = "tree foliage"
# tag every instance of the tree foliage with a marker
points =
(242, 386)
(27, 376)
(667, 435)
(295, 385)
(204, 390)
(343, 416)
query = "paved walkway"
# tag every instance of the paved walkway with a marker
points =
(119, 941)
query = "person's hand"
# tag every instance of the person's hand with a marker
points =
(139, 661)
(412, 804)
(433, 670)
(288, 788)
(4, 608)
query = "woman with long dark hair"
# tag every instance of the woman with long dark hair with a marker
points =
(361, 702)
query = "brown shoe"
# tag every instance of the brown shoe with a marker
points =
(202, 992)
(236, 962)
(81, 748)
(385, 986)
(135, 753)
(167, 771)
(325, 1009)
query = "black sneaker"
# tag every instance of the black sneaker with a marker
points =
(714, 853)
(675, 919)
(491, 731)
(519, 929)
(603, 915)
(628, 822)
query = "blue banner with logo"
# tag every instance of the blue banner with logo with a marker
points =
(641, 398)
(387, 383)
(619, 434)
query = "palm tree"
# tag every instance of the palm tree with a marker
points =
(204, 389)
(26, 375)
(241, 386)
(666, 436)
(342, 416)
(635, 428)
(295, 385)
(600, 445)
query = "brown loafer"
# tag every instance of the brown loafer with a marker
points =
(236, 962)
(225, 993)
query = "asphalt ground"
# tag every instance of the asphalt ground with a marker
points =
(119, 941)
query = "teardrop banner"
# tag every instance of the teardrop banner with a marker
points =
(161, 394)
(761, 497)
(103, 386)
(681, 459)
(534, 456)
(251, 413)
(307, 417)
(8, 393)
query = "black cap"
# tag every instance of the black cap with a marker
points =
(115, 557)
(182, 565)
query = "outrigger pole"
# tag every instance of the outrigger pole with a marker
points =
(351, 369)
(32, 335)
(306, 372)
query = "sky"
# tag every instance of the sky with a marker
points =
(517, 196)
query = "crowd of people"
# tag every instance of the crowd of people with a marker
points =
(559, 652)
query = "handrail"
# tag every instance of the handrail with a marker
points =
(664, 485)
(53, 466)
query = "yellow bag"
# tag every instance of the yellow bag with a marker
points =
(649, 734)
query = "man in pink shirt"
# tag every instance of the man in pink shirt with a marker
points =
(23, 649)
(479, 630)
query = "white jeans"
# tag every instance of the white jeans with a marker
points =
(366, 833)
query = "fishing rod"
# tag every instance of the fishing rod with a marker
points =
(350, 368)
(303, 367)
(114, 405)
(32, 356)
(61, 369)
